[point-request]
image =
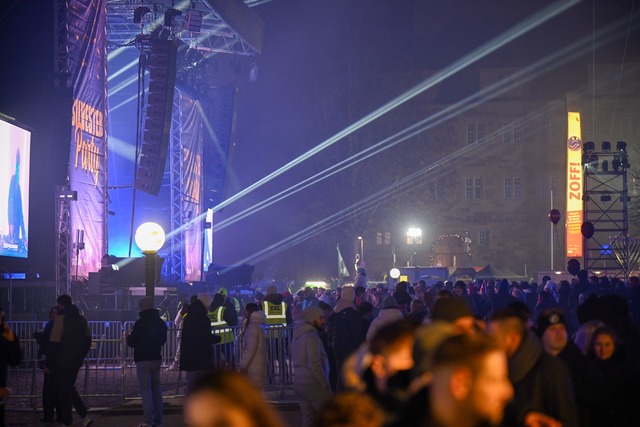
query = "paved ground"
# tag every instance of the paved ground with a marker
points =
(129, 415)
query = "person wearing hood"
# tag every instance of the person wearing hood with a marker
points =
(388, 314)
(543, 392)
(254, 345)
(345, 330)
(147, 337)
(311, 365)
(197, 340)
(69, 344)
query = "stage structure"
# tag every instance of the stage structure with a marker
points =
(188, 117)
(605, 206)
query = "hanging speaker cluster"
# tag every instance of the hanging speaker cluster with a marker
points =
(157, 124)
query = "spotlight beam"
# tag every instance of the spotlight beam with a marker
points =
(479, 53)
(545, 65)
(559, 58)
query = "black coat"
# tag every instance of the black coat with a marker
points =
(196, 341)
(588, 383)
(345, 333)
(541, 383)
(148, 336)
(70, 340)
(10, 355)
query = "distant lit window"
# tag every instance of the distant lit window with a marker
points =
(387, 238)
(378, 238)
(517, 187)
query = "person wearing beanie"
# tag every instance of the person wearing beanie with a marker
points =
(345, 329)
(147, 337)
(311, 365)
(543, 392)
(588, 384)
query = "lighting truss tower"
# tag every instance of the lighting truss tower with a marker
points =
(175, 266)
(605, 206)
(63, 239)
(61, 48)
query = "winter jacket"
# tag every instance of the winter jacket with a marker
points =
(345, 333)
(10, 355)
(541, 383)
(385, 317)
(195, 345)
(254, 349)
(148, 336)
(310, 361)
(70, 340)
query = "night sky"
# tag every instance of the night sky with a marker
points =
(325, 64)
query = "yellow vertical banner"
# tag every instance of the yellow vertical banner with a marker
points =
(574, 217)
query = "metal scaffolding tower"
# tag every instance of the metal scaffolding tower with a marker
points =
(174, 265)
(63, 239)
(605, 206)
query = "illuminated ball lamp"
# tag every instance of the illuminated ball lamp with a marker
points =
(150, 237)
(394, 273)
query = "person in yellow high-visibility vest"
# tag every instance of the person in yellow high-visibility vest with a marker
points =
(220, 322)
(278, 317)
(275, 308)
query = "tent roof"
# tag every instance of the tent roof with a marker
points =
(495, 272)
(463, 271)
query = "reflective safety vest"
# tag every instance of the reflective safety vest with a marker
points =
(237, 304)
(219, 326)
(275, 313)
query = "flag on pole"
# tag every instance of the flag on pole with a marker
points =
(342, 266)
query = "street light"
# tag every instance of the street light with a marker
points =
(150, 238)
(414, 236)
(361, 247)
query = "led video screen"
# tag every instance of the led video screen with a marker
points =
(15, 153)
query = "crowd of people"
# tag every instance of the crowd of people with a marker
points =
(486, 353)
(491, 352)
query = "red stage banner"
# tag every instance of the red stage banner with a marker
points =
(87, 44)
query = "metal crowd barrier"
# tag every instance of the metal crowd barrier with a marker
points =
(108, 377)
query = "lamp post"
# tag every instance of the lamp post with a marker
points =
(361, 239)
(414, 237)
(150, 238)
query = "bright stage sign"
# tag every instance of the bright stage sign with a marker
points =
(575, 184)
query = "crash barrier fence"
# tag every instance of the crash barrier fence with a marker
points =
(108, 377)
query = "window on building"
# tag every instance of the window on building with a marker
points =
(506, 133)
(517, 131)
(508, 189)
(517, 187)
(469, 189)
(383, 238)
(478, 188)
(483, 238)
(480, 132)
(471, 133)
